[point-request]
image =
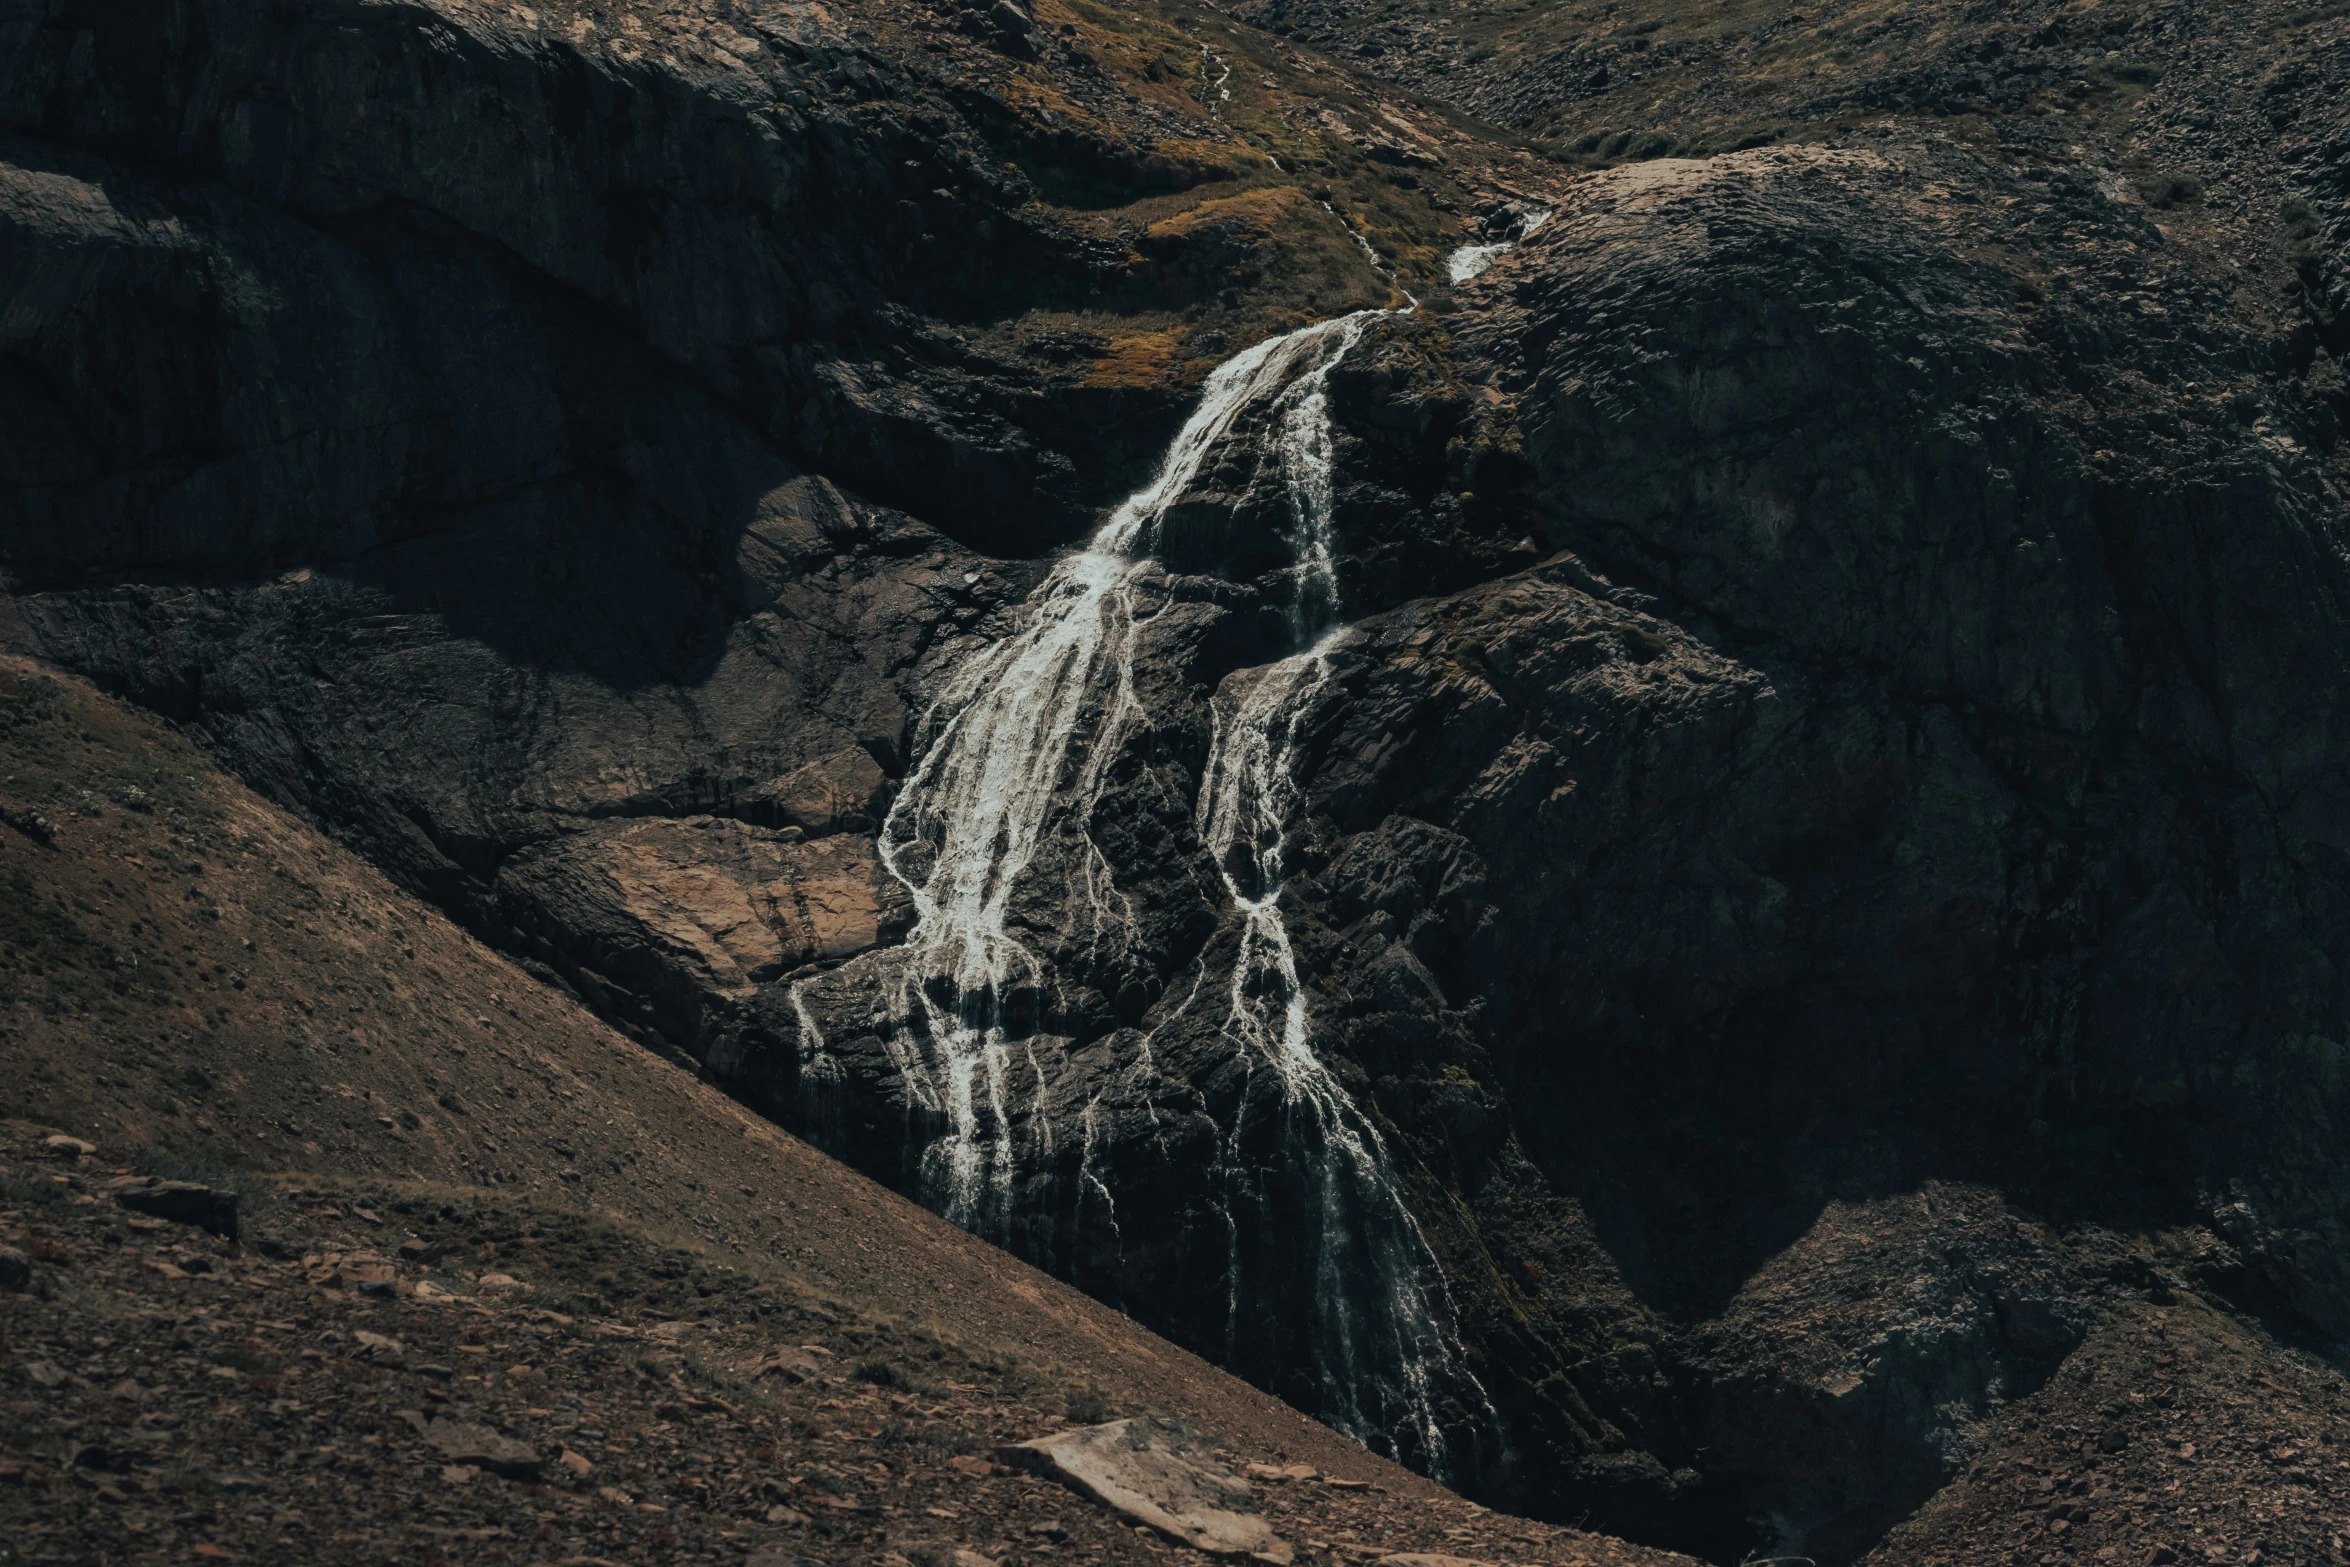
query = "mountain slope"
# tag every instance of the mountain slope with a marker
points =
(1663, 879)
(198, 981)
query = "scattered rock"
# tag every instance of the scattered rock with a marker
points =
(369, 1275)
(793, 1365)
(484, 1448)
(42, 1374)
(16, 1269)
(501, 1282)
(1281, 1474)
(64, 1147)
(183, 1202)
(1154, 1472)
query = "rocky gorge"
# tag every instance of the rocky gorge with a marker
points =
(1655, 878)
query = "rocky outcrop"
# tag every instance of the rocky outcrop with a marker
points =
(1816, 867)
(1925, 764)
(674, 922)
(2064, 551)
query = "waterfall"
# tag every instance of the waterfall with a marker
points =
(1471, 260)
(996, 753)
(1387, 1356)
(1015, 750)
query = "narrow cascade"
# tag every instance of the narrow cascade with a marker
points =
(1386, 1352)
(997, 751)
(1014, 752)
(1214, 94)
(1387, 1357)
(1470, 261)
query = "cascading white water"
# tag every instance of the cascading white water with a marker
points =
(1213, 93)
(1016, 749)
(1303, 447)
(1388, 1357)
(1387, 1350)
(996, 754)
(1470, 261)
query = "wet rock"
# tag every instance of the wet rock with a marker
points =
(1156, 1474)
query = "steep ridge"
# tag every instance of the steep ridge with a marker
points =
(176, 954)
(194, 973)
(1807, 891)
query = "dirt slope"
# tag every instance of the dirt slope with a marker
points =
(364, 1380)
(191, 975)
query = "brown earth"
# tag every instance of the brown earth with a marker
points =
(199, 984)
(361, 1378)
(2175, 1434)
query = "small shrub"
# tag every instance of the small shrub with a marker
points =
(882, 1373)
(1088, 1407)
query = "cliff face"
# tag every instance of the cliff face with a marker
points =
(1924, 766)
(1652, 882)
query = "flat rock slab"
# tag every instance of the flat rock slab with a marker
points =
(1156, 1473)
(484, 1448)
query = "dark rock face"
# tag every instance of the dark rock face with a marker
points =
(183, 1202)
(1927, 766)
(1824, 838)
(2053, 599)
(403, 227)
